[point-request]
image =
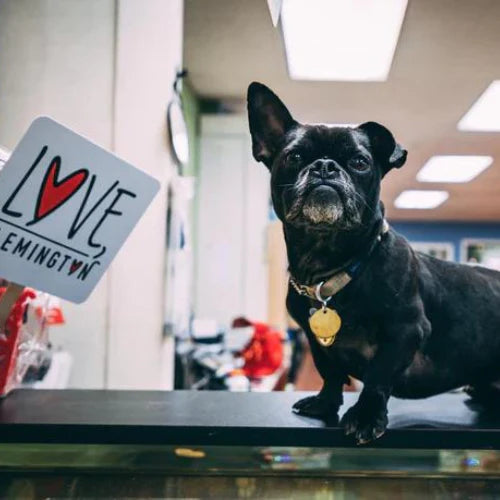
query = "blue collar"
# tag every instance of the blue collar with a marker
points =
(325, 290)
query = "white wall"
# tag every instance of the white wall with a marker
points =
(149, 51)
(231, 256)
(104, 68)
(53, 64)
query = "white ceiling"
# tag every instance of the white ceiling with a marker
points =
(448, 53)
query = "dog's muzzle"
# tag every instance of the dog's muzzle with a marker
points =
(324, 195)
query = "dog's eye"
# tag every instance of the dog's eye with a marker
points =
(359, 163)
(294, 159)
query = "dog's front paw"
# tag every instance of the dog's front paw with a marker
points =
(364, 422)
(316, 407)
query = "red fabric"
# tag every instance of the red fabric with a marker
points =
(264, 354)
(9, 342)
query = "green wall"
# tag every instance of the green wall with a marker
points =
(191, 105)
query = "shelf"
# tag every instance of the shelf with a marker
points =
(229, 419)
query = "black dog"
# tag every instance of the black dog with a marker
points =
(411, 325)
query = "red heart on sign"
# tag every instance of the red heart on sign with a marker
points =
(54, 193)
(76, 264)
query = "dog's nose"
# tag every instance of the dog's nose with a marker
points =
(324, 168)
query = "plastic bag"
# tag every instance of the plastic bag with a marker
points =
(24, 342)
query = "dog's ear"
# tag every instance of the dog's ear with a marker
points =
(269, 121)
(388, 153)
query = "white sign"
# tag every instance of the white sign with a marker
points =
(66, 208)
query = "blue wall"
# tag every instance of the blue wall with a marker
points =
(447, 232)
(441, 232)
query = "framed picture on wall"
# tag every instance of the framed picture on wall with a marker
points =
(440, 250)
(484, 252)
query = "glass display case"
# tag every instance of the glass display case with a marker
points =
(188, 444)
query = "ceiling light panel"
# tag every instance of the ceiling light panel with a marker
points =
(420, 199)
(343, 40)
(484, 115)
(453, 168)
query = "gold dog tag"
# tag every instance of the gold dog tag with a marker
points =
(325, 324)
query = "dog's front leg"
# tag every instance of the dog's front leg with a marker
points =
(324, 405)
(367, 419)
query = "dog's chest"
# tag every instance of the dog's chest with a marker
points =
(356, 343)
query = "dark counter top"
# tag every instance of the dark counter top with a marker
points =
(223, 418)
